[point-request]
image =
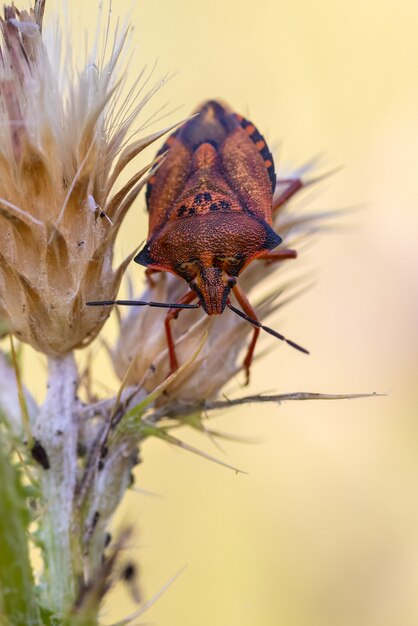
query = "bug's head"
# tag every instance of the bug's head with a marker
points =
(209, 252)
(212, 286)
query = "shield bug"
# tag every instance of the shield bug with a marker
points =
(210, 207)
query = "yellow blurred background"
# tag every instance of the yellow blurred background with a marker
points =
(323, 531)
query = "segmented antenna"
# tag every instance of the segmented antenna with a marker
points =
(266, 328)
(159, 305)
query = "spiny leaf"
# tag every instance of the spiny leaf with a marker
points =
(150, 430)
(286, 397)
(180, 411)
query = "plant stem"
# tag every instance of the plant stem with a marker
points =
(56, 430)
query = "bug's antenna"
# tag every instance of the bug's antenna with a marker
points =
(266, 328)
(160, 305)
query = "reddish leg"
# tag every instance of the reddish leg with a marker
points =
(285, 189)
(148, 275)
(173, 314)
(270, 257)
(277, 255)
(249, 310)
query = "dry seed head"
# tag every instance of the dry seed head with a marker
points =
(63, 134)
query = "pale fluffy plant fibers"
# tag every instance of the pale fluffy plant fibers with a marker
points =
(66, 137)
(62, 151)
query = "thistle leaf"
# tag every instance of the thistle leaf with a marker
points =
(150, 430)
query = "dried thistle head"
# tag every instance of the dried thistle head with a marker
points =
(63, 146)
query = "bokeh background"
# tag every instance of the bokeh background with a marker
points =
(323, 531)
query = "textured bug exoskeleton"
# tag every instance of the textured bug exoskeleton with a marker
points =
(210, 213)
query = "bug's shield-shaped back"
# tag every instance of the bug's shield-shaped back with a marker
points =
(244, 162)
(210, 204)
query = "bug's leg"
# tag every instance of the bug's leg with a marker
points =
(285, 189)
(148, 275)
(277, 255)
(173, 314)
(248, 308)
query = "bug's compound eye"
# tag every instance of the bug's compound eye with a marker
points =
(232, 282)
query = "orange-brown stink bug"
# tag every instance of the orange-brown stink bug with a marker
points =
(210, 209)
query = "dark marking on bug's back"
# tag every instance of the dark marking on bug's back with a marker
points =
(202, 198)
(221, 204)
(261, 145)
(266, 154)
(256, 136)
(243, 122)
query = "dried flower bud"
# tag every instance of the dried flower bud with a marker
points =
(62, 149)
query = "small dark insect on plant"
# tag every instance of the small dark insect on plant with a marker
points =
(210, 215)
